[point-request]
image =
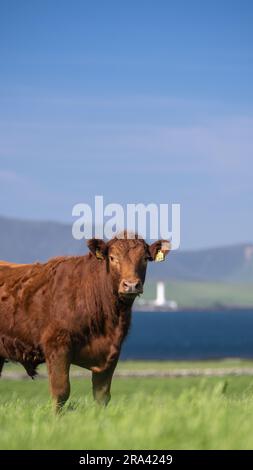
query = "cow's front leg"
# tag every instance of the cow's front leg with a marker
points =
(101, 385)
(58, 364)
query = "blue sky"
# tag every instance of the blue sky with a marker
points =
(139, 101)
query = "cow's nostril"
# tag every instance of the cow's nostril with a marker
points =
(131, 287)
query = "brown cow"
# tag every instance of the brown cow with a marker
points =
(74, 310)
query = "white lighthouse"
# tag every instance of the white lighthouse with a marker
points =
(160, 303)
(160, 294)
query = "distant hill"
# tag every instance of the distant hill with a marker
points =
(230, 264)
(25, 241)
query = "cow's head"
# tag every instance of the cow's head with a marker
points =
(126, 260)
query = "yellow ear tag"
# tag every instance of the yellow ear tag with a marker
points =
(159, 256)
(99, 255)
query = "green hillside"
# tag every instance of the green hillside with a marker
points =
(204, 294)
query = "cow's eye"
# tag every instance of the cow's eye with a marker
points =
(113, 259)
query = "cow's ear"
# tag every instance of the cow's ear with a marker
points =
(97, 247)
(159, 250)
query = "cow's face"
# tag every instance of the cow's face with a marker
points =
(126, 260)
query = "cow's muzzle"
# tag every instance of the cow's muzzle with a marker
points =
(130, 287)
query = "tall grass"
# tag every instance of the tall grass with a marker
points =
(187, 413)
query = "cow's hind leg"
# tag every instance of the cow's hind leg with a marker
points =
(101, 385)
(2, 360)
(58, 364)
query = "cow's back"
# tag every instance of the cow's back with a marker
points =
(36, 296)
(11, 265)
(24, 293)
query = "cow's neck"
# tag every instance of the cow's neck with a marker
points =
(102, 304)
(124, 314)
(119, 318)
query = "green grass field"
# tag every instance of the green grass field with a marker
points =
(144, 413)
(204, 294)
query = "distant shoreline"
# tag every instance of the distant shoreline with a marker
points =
(218, 308)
